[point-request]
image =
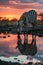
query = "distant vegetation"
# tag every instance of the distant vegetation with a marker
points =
(7, 25)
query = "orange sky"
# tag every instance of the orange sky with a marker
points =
(14, 8)
(13, 13)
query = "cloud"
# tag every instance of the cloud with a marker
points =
(40, 1)
(4, 1)
(31, 1)
(26, 6)
(21, 4)
(20, 7)
(28, 1)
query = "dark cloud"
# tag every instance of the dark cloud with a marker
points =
(25, 1)
(20, 5)
(40, 1)
(21, 1)
(28, 1)
(4, 2)
(25, 6)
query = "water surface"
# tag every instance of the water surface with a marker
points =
(8, 45)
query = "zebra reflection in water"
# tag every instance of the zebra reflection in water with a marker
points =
(27, 49)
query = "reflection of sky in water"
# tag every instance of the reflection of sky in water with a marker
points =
(8, 45)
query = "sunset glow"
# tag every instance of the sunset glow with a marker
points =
(10, 17)
(39, 18)
(14, 9)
